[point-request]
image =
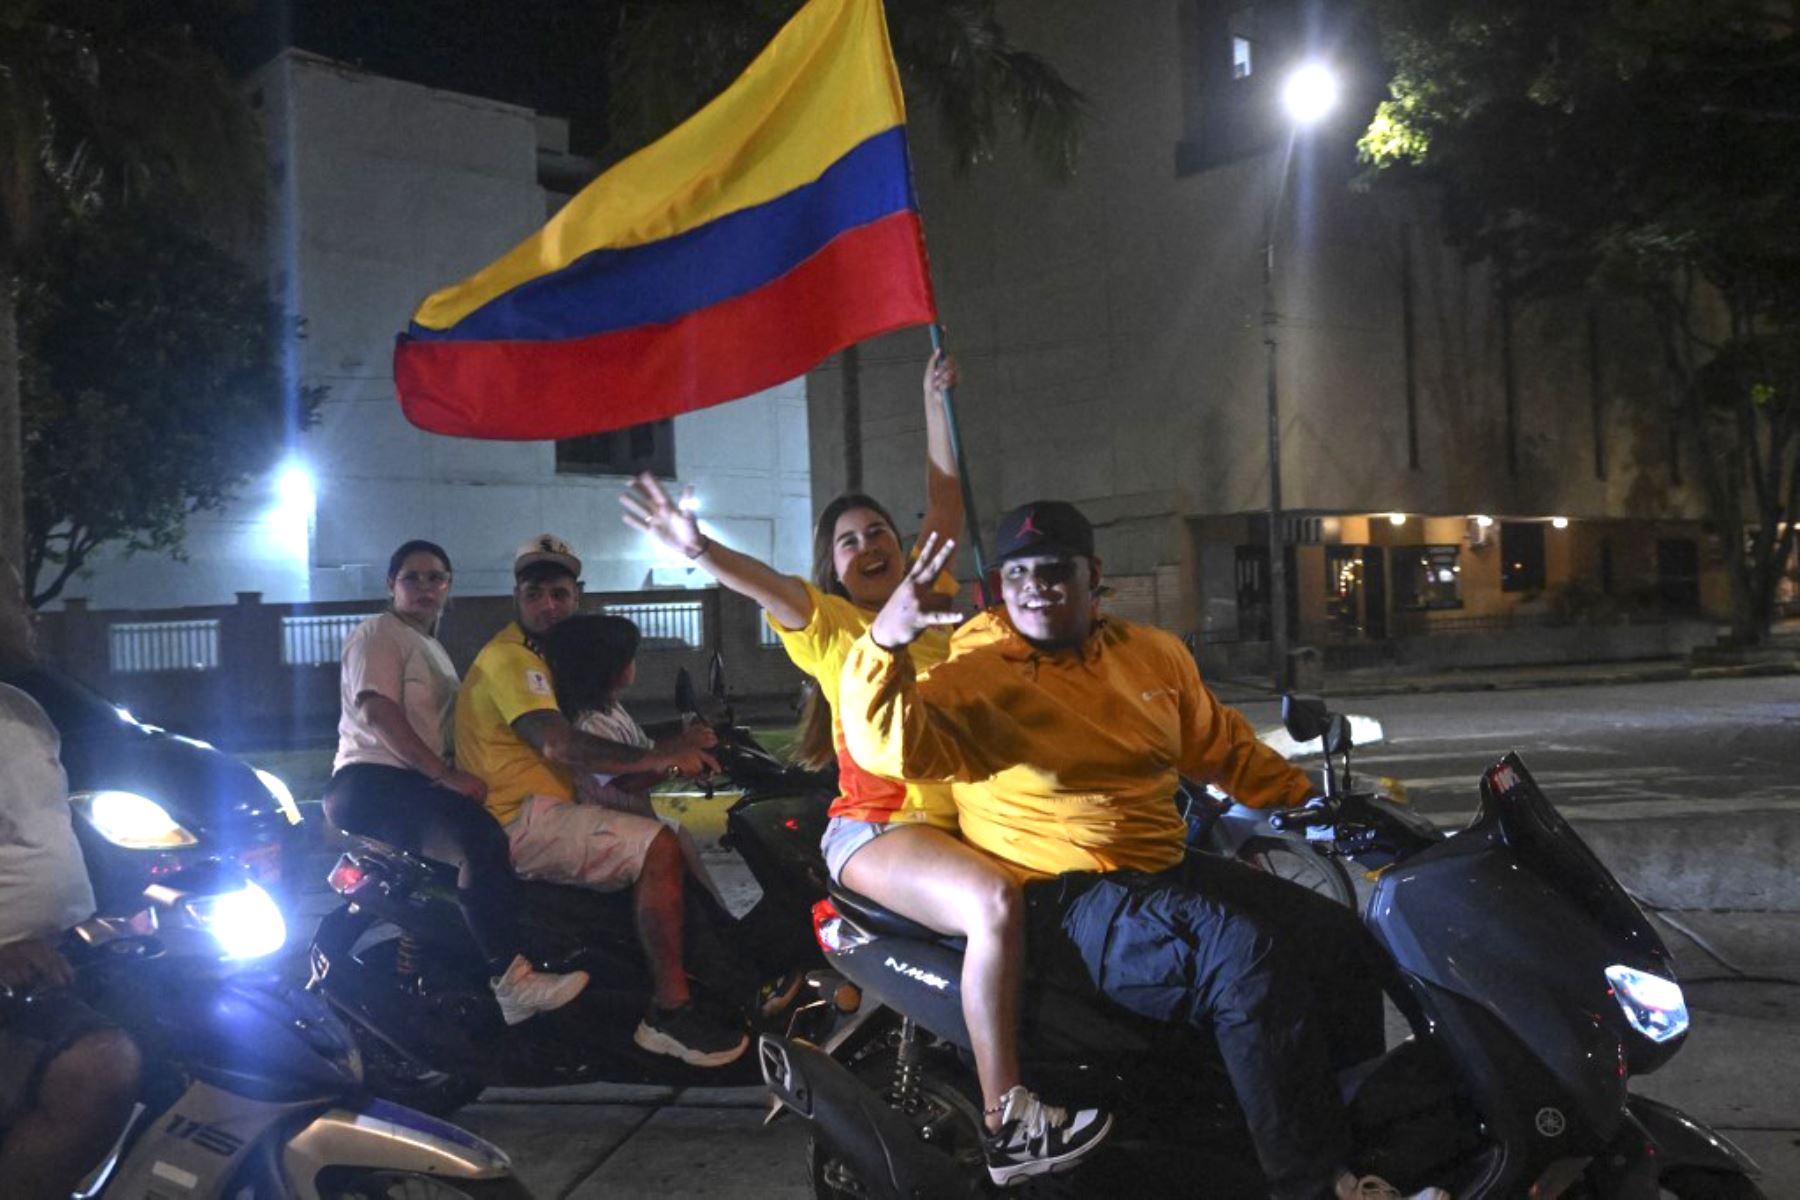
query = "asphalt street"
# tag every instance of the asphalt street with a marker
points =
(1698, 747)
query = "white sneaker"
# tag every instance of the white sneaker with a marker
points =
(1035, 1138)
(523, 993)
(1374, 1187)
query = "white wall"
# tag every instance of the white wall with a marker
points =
(385, 191)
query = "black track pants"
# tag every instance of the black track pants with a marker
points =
(405, 809)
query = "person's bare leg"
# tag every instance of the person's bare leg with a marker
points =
(935, 879)
(656, 900)
(83, 1103)
(690, 853)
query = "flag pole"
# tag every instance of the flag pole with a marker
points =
(962, 474)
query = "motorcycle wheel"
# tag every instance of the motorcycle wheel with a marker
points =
(366, 1184)
(1299, 863)
(947, 1116)
(393, 1076)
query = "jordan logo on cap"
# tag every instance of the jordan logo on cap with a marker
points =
(1029, 525)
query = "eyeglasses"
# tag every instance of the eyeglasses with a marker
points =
(427, 578)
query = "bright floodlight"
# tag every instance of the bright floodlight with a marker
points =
(1396, 518)
(295, 487)
(1310, 92)
(1559, 522)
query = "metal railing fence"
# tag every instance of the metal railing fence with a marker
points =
(139, 647)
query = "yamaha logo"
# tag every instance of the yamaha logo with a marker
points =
(1550, 1122)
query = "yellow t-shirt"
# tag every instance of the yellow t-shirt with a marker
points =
(820, 649)
(507, 680)
(1061, 762)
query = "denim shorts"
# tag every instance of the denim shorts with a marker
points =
(844, 836)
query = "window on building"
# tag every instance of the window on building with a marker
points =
(1678, 574)
(1427, 577)
(1521, 556)
(1226, 48)
(649, 447)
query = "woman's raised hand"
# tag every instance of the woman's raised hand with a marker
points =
(649, 509)
(940, 375)
(912, 609)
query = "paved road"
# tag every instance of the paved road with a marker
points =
(1622, 752)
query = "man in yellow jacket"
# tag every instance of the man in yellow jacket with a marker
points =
(1065, 733)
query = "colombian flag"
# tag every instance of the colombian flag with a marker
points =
(774, 227)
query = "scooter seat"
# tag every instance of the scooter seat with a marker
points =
(885, 921)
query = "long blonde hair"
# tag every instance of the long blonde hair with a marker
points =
(815, 749)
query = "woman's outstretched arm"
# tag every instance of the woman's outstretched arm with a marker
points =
(648, 508)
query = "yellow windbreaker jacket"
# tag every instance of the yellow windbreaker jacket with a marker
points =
(1062, 762)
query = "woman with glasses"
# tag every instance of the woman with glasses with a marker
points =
(394, 779)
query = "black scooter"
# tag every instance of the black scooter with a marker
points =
(251, 1087)
(398, 963)
(1534, 987)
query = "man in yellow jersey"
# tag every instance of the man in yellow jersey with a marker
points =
(1065, 733)
(511, 735)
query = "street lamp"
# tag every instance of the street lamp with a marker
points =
(1308, 94)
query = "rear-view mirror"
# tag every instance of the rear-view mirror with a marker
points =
(1305, 717)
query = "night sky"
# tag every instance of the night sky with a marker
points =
(547, 54)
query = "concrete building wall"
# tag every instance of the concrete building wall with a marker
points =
(1109, 332)
(384, 191)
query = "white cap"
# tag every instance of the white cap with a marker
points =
(547, 547)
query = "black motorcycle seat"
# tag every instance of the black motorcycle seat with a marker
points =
(878, 919)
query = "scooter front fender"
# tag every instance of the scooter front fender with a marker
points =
(887, 1154)
(1678, 1140)
(386, 1137)
(1655, 1139)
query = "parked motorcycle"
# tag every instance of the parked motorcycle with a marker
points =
(1534, 987)
(251, 1087)
(397, 960)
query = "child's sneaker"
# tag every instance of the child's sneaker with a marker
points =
(523, 993)
(1035, 1138)
(690, 1035)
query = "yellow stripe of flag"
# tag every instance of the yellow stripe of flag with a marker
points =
(822, 87)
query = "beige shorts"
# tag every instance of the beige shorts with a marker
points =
(587, 844)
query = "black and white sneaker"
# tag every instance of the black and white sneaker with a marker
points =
(1035, 1138)
(690, 1035)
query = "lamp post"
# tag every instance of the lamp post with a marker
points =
(1308, 94)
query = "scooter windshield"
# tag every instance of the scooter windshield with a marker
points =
(1546, 845)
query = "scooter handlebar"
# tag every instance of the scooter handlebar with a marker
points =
(1310, 817)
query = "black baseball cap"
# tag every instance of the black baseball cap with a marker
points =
(1044, 527)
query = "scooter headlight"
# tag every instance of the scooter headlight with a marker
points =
(1653, 1006)
(246, 923)
(132, 821)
